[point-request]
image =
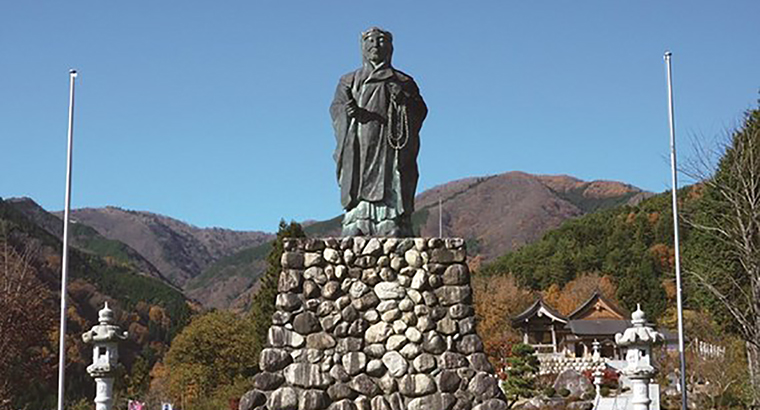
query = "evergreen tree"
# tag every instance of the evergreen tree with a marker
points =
(138, 379)
(642, 285)
(521, 373)
(262, 305)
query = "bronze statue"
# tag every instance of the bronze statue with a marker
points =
(377, 114)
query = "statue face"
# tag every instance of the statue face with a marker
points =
(376, 47)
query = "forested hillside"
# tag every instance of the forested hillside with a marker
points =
(30, 261)
(86, 238)
(632, 244)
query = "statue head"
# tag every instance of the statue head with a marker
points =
(377, 46)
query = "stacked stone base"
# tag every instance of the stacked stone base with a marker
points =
(374, 324)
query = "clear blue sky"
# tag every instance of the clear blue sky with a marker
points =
(216, 113)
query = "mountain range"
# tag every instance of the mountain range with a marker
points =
(220, 267)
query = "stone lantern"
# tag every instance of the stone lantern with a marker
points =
(105, 337)
(597, 350)
(598, 366)
(638, 341)
(598, 380)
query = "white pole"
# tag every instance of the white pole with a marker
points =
(679, 289)
(65, 267)
(440, 218)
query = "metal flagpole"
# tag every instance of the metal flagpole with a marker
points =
(65, 267)
(679, 289)
(440, 218)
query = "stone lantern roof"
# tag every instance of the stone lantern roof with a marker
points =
(639, 333)
(105, 331)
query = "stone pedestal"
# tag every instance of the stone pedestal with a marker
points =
(375, 324)
(640, 392)
(103, 393)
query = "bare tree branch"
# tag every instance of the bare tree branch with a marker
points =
(729, 216)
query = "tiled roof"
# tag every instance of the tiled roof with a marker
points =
(535, 308)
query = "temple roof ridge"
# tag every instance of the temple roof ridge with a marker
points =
(540, 307)
(597, 295)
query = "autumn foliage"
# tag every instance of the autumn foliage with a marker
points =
(497, 300)
(577, 291)
(216, 349)
(24, 323)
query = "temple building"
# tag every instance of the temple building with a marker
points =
(553, 334)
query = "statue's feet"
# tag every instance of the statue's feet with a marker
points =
(355, 229)
(387, 229)
(364, 225)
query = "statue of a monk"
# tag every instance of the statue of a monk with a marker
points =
(377, 114)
